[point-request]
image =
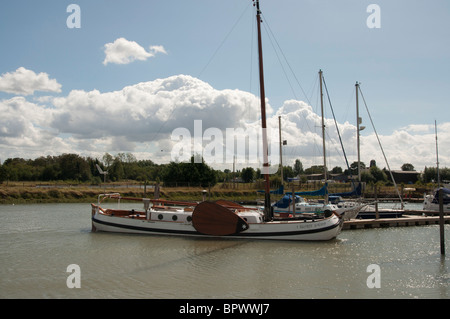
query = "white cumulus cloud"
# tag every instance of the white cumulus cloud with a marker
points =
(25, 82)
(123, 51)
(141, 118)
(25, 131)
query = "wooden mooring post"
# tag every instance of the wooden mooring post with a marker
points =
(377, 215)
(441, 221)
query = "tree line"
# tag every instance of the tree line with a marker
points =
(125, 166)
(73, 167)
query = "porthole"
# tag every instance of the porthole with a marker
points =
(189, 218)
(160, 216)
(174, 217)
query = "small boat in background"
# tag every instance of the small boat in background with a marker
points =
(368, 210)
(431, 202)
(284, 208)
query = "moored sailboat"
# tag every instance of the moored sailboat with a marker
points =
(216, 219)
(431, 202)
(221, 219)
(292, 205)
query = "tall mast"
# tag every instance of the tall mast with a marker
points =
(323, 135)
(437, 156)
(267, 206)
(358, 121)
(281, 149)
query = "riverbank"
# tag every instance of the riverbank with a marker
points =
(35, 192)
(81, 194)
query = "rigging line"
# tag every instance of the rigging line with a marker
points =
(334, 147)
(273, 39)
(278, 57)
(285, 59)
(204, 68)
(224, 40)
(335, 123)
(252, 40)
(350, 101)
(379, 142)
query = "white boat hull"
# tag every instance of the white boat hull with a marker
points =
(347, 212)
(430, 205)
(435, 207)
(323, 229)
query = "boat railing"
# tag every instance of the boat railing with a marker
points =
(102, 197)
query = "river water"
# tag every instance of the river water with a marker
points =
(38, 242)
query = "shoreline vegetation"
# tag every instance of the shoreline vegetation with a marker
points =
(69, 178)
(247, 193)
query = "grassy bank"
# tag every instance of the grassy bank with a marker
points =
(17, 193)
(20, 194)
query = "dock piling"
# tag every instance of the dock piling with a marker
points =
(441, 221)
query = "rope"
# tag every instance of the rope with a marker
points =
(335, 123)
(379, 142)
(286, 61)
(204, 68)
(224, 40)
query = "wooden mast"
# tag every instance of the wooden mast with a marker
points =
(281, 150)
(267, 205)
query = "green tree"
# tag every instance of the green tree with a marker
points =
(378, 174)
(430, 174)
(315, 169)
(298, 167)
(74, 167)
(108, 159)
(336, 170)
(288, 172)
(354, 168)
(248, 174)
(116, 172)
(193, 172)
(367, 177)
(407, 167)
(3, 174)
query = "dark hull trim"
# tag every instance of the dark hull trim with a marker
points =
(195, 233)
(292, 233)
(152, 230)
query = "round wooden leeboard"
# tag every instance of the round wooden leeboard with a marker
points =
(213, 219)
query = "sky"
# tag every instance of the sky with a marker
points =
(145, 77)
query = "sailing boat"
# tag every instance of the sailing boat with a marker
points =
(215, 219)
(292, 205)
(369, 211)
(431, 202)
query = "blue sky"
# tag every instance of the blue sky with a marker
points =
(403, 66)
